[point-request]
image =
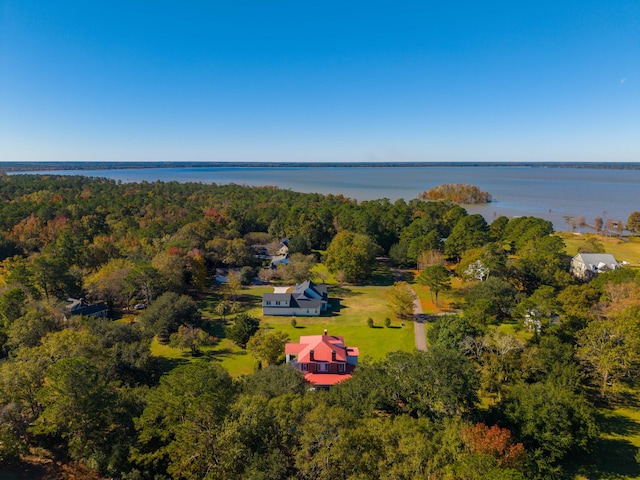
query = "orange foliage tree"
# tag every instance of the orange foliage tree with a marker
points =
(494, 441)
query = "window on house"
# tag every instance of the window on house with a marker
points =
(341, 367)
(278, 302)
(268, 302)
(323, 367)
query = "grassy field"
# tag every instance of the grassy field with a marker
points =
(444, 298)
(623, 250)
(613, 456)
(351, 307)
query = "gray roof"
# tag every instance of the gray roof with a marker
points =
(320, 290)
(276, 296)
(89, 309)
(597, 258)
(298, 297)
(306, 302)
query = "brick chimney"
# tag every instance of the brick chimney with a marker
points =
(325, 332)
(333, 355)
(311, 355)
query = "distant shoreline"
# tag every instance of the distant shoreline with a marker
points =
(46, 166)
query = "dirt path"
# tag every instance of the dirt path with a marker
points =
(418, 325)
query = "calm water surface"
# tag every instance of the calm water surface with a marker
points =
(551, 193)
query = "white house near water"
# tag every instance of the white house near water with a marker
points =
(588, 265)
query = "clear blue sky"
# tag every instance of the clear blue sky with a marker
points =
(320, 81)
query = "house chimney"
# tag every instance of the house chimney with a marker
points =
(311, 352)
(333, 355)
(325, 332)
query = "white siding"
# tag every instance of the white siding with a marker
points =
(290, 312)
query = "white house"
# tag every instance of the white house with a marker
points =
(588, 265)
(306, 300)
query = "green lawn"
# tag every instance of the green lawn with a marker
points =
(517, 330)
(613, 457)
(351, 307)
(236, 360)
(628, 250)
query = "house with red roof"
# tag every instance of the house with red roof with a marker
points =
(324, 360)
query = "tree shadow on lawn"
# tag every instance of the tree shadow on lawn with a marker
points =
(616, 424)
(611, 459)
(210, 301)
(343, 292)
(249, 301)
(214, 327)
(381, 275)
(629, 398)
(336, 308)
(225, 352)
(165, 364)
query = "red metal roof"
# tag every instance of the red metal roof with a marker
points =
(326, 378)
(322, 346)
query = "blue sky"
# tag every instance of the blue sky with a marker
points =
(320, 81)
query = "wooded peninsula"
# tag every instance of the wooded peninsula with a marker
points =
(457, 193)
(172, 371)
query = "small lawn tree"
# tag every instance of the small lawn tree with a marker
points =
(633, 223)
(267, 346)
(244, 327)
(400, 299)
(191, 338)
(437, 278)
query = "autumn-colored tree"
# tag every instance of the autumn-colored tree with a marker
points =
(400, 300)
(108, 283)
(171, 269)
(494, 441)
(598, 224)
(633, 223)
(197, 267)
(457, 193)
(428, 258)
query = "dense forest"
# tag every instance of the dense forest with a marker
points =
(485, 401)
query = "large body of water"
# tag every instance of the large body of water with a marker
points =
(550, 193)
